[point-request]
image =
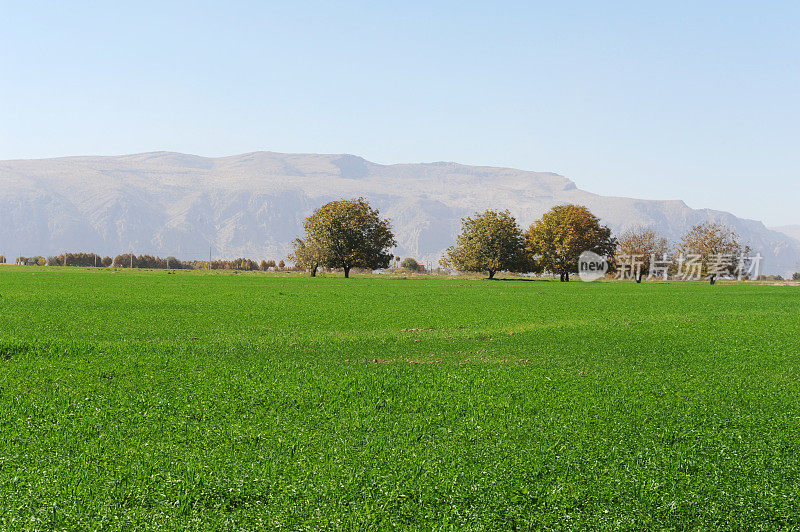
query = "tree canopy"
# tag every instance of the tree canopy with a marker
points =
(489, 242)
(714, 247)
(557, 240)
(306, 255)
(639, 246)
(346, 234)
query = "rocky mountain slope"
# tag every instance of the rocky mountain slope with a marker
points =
(253, 204)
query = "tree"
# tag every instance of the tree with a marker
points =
(796, 276)
(489, 242)
(281, 265)
(242, 263)
(641, 245)
(557, 240)
(349, 234)
(410, 265)
(306, 255)
(128, 260)
(715, 247)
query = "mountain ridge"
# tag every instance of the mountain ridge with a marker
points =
(253, 204)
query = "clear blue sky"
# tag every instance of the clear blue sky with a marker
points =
(697, 100)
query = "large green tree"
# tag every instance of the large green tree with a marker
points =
(489, 242)
(557, 240)
(347, 234)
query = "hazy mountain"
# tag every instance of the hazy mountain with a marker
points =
(253, 204)
(792, 231)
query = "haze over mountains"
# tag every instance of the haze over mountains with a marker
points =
(253, 204)
(792, 231)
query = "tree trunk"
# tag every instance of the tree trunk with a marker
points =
(713, 280)
(639, 276)
(346, 272)
(561, 279)
(491, 274)
(314, 271)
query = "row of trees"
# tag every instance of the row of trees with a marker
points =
(128, 260)
(80, 259)
(493, 241)
(247, 265)
(716, 250)
(71, 259)
(349, 234)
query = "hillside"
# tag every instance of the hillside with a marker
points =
(253, 204)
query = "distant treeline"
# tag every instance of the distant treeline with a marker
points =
(128, 260)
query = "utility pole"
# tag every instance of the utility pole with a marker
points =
(209, 258)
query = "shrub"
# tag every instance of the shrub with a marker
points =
(410, 265)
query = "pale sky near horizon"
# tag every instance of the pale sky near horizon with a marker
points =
(682, 100)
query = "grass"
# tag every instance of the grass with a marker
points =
(145, 400)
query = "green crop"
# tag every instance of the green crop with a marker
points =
(145, 400)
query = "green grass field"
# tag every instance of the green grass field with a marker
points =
(142, 399)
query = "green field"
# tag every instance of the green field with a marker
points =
(142, 399)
